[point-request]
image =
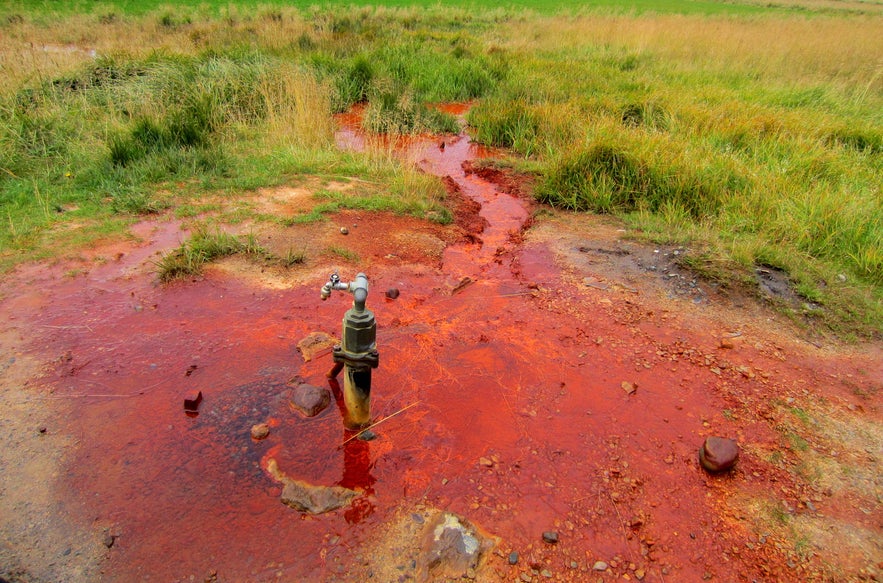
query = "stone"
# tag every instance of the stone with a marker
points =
(309, 399)
(599, 566)
(109, 539)
(485, 462)
(451, 548)
(192, 401)
(314, 344)
(260, 431)
(513, 558)
(310, 498)
(344, 231)
(550, 537)
(392, 293)
(546, 573)
(313, 499)
(629, 388)
(718, 454)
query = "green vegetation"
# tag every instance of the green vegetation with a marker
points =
(756, 140)
(207, 245)
(203, 247)
(344, 254)
(723, 144)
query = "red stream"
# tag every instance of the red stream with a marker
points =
(519, 368)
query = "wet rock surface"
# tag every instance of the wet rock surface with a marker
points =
(310, 400)
(310, 498)
(314, 344)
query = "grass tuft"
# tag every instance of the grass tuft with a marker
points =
(202, 247)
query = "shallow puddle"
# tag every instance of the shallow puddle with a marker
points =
(501, 395)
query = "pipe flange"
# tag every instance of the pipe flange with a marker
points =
(355, 360)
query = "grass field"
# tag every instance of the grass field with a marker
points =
(214, 8)
(751, 132)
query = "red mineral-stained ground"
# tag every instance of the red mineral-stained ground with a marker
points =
(540, 372)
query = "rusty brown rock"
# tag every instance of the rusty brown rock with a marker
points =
(718, 454)
(310, 400)
(260, 431)
(192, 401)
(315, 344)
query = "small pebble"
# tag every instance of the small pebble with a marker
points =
(344, 231)
(550, 537)
(599, 566)
(368, 435)
(513, 558)
(260, 431)
(392, 293)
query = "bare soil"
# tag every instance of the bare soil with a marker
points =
(500, 394)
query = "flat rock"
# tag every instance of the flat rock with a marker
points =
(310, 498)
(451, 547)
(425, 544)
(315, 343)
(313, 499)
(309, 399)
(718, 454)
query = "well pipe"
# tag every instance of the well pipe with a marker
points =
(357, 352)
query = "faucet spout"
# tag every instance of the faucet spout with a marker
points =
(333, 283)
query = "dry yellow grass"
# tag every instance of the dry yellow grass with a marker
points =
(297, 109)
(32, 52)
(847, 52)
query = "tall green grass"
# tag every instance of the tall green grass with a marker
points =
(189, 104)
(755, 158)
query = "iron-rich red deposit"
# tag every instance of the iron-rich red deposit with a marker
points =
(510, 393)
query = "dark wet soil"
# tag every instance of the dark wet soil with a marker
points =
(536, 376)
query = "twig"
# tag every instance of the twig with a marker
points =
(110, 396)
(378, 423)
(67, 327)
(621, 524)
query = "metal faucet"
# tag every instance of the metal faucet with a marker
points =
(357, 351)
(358, 287)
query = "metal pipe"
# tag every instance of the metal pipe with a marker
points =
(357, 352)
